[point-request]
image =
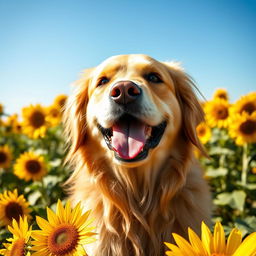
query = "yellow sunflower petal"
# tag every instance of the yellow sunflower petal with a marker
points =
(60, 210)
(52, 217)
(76, 213)
(234, 241)
(37, 236)
(43, 224)
(67, 211)
(196, 243)
(175, 250)
(248, 246)
(219, 243)
(206, 237)
(184, 246)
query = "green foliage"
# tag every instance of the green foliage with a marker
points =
(39, 194)
(229, 170)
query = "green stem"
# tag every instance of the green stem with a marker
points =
(245, 161)
(45, 198)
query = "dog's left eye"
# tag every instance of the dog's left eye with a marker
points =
(153, 78)
(103, 80)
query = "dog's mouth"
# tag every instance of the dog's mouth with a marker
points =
(131, 139)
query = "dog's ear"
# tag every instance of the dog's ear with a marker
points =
(192, 112)
(74, 117)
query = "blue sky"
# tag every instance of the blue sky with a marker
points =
(46, 44)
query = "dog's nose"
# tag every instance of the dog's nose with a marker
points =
(124, 92)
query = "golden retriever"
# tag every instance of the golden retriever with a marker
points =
(131, 126)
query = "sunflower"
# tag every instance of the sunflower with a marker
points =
(12, 206)
(60, 101)
(203, 132)
(34, 121)
(217, 113)
(5, 156)
(65, 232)
(16, 245)
(1, 109)
(30, 166)
(221, 94)
(243, 128)
(253, 170)
(13, 124)
(213, 245)
(54, 115)
(246, 104)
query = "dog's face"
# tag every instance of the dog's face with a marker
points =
(134, 108)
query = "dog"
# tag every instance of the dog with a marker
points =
(131, 125)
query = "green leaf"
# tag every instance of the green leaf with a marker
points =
(247, 186)
(216, 172)
(51, 180)
(235, 200)
(223, 199)
(33, 197)
(220, 151)
(56, 162)
(238, 200)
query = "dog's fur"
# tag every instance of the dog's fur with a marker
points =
(137, 205)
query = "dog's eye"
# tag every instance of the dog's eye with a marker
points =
(153, 78)
(102, 81)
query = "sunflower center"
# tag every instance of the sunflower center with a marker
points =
(248, 127)
(222, 113)
(63, 239)
(13, 211)
(248, 108)
(18, 127)
(62, 102)
(54, 113)
(33, 166)
(3, 157)
(18, 248)
(201, 132)
(37, 119)
(222, 96)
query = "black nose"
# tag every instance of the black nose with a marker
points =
(124, 92)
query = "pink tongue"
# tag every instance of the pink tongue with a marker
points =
(128, 138)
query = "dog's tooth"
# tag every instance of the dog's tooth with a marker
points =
(148, 131)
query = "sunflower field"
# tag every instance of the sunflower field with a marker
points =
(35, 217)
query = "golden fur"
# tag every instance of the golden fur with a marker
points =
(137, 205)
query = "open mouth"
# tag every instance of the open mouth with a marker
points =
(131, 139)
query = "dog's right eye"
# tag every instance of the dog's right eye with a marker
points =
(102, 81)
(154, 78)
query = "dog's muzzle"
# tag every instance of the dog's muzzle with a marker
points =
(129, 137)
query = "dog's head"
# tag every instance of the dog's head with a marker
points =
(133, 108)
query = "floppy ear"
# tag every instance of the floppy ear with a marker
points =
(74, 117)
(192, 112)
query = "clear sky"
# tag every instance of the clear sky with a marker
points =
(44, 45)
